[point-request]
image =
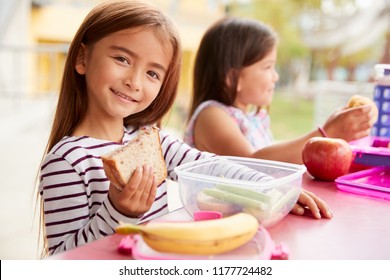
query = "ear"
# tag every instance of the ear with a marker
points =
(81, 60)
(231, 76)
(238, 89)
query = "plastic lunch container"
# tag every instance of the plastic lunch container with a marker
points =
(373, 182)
(212, 185)
(382, 100)
(374, 153)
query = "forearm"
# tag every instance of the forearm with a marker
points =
(70, 234)
(176, 152)
(286, 151)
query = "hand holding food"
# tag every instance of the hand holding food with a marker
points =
(353, 121)
(145, 150)
(358, 100)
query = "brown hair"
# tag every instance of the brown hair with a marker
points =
(103, 20)
(226, 47)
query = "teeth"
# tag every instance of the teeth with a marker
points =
(122, 95)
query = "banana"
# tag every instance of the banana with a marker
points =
(196, 238)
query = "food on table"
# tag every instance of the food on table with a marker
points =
(264, 205)
(205, 237)
(327, 158)
(208, 203)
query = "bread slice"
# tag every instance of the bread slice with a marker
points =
(358, 100)
(120, 164)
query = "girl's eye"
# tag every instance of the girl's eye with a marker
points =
(154, 75)
(122, 59)
(270, 67)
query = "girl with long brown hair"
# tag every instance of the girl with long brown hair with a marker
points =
(121, 74)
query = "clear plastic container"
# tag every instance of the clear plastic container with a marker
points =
(218, 184)
(382, 100)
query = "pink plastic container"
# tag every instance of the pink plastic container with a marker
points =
(373, 182)
(372, 151)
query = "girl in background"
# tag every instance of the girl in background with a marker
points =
(233, 85)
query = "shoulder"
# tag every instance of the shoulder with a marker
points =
(81, 152)
(214, 124)
(73, 145)
(205, 106)
(215, 115)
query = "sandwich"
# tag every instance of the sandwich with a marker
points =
(144, 150)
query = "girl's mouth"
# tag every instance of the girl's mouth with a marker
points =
(121, 95)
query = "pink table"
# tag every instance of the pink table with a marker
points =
(360, 229)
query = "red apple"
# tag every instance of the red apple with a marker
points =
(327, 158)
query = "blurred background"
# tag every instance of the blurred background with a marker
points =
(326, 53)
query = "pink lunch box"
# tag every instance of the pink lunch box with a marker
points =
(373, 182)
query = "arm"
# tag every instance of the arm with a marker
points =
(216, 132)
(176, 152)
(345, 123)
(350, 123)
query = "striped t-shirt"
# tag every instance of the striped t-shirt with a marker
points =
(74, 188)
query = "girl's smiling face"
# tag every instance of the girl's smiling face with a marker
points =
(256, 82)
(124, 72)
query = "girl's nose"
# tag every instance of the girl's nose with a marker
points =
(134, 81)
(276, 76)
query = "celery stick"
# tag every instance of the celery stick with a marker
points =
(275, 194)
(237, 199)
(249, 193)
(292, 193)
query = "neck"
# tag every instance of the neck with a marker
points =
(111, 130)
(241, 106)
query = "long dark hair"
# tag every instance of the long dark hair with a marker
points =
(226, 47)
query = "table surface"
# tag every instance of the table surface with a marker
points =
(359, 230)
